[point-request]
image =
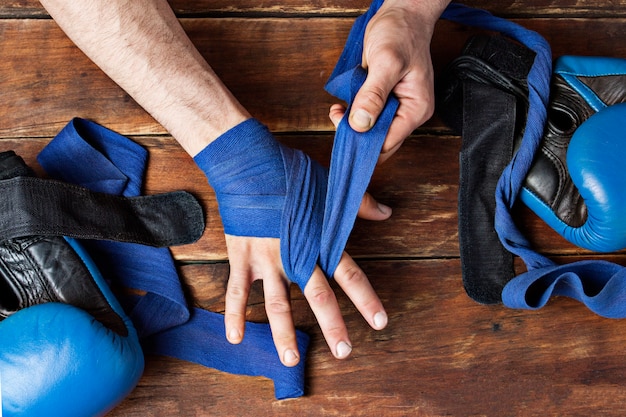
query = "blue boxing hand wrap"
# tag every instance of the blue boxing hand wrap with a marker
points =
(93, 156)
(245, 168)
(265, 189)
(600, 285)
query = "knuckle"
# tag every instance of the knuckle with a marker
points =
(282, 338)
(353, 275)
(277, 306)
(428, 109)
(375, 96)
(321, 296)
(231, 317)
(334, 332)
(236, 291)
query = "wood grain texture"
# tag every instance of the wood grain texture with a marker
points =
(442, 354)
(507, 8)
(420, 183)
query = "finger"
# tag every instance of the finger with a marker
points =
(278, 308)
(324, 305)
(357, 287)
(336, 113)
(387, 152)
(371, 98)
(371, 209)
(411, 114)
(237, 292)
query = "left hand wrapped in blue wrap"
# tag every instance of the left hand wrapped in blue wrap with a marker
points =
(265, 189)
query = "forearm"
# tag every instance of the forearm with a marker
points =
(428, 10)
(142, 47)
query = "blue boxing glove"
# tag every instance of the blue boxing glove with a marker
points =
(57, 359)
(576, 184)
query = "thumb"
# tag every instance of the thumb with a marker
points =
(371, 209)
(369, 101)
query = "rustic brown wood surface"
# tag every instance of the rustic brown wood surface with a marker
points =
(442, 354)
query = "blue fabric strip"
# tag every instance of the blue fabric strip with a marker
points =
(90, 155)
(354, 154)
(599, 285)
(512, 179)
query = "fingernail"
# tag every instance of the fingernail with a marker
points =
(386, 210)
(362, 119)
(380, 320)
(290, 357)
(343, 350)
(234, 336)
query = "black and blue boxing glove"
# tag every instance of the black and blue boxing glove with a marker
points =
(57, 359)
(66, 346)
(576, 184)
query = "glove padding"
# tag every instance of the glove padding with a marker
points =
(576, 184)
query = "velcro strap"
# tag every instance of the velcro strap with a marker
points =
(34, 206)
(488, 137)
(482, 94)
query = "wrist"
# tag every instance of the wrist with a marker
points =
(245, 168)
(212, 126)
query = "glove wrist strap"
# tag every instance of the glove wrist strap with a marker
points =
(33, 206)
(479, 95)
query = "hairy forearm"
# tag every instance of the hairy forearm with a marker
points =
(430, 10)
(142, 47)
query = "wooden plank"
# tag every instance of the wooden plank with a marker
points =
(442, 354)
(32, 8)
(45, 80)
(529, 8)
(540, 8)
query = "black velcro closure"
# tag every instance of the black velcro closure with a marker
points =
(33, 206)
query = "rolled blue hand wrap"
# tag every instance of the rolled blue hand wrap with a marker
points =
(600, 285)
(90, 155)
(265, 189)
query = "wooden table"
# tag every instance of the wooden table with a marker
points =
(442, 354)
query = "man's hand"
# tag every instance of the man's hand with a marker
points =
(396, 54)
(259, 258)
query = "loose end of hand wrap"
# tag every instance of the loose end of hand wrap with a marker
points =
(354, 154)
(599, 285)
(254, 356)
